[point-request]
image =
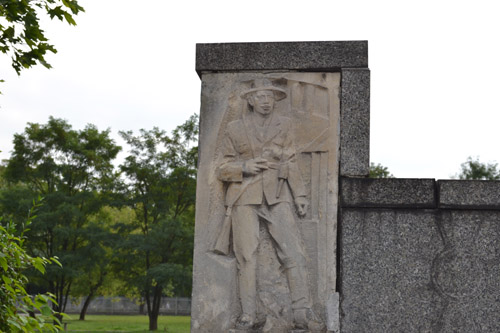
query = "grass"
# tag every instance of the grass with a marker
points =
(102, 323)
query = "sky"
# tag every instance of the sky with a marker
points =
(129, 65)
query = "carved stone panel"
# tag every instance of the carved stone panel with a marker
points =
(266, 213)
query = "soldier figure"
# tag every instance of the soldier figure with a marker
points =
(264, 183)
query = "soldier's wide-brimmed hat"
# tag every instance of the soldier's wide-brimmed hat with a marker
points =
(264, 84)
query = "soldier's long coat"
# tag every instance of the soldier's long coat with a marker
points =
(242, 143)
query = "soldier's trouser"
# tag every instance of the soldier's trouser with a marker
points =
(286, 235)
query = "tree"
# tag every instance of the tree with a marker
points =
(15, 303)
(379, 171)
(160, 186)
(97, 275)
(474, 169)
(73, 171)
(21, 36)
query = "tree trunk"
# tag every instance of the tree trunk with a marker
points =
(93, 290)
(86, 306)
(153, 322)
(141, 307)
(153, 316)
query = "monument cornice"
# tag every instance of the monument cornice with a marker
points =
(329, 56)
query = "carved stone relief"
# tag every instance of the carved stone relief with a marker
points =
(265, 235)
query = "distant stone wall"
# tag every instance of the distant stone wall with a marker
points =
(418, 255)
(123, 305)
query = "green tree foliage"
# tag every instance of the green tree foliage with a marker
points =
(97, 276)
(15, 303)
(21, 36)
(73, 171)
(474, 169)
(160, 183)
(379, 171)
(3, 182)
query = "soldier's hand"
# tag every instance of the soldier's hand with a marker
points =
(302, 204)
(254, 166)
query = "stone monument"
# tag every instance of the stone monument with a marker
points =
(272, 146)
(291, 235)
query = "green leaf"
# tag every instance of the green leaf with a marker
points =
(6, 279)
(56, 12)
(14, 323)
(9, 288)
(38, 263)
(3, 263)
(46, 310)
(69, 18)
(56, 260)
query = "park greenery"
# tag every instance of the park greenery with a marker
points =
(127, 323)
(379, 171)
(471, 169)
(474, 169)
(117, 230)
(16, 305)
(22, 37)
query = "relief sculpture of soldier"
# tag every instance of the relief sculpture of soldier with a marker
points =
(264, 185)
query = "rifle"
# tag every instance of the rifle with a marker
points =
(223, 239)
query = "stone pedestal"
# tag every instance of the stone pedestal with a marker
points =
(279, 123)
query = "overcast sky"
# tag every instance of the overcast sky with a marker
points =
(130, 64)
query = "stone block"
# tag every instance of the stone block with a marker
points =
(303, 56)
(476, 194)
(466, 273)
(355, 123)
(387, 192)
(419, 270)
(386, 268)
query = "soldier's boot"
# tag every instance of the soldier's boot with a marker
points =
(245, 322)
(306, 319)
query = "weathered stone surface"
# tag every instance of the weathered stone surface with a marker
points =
(355, 123)
(466, 273)
(303, 56)
(386, 267)
(332, 313)
(387, 192)
(477, 194)
(419, 270)
(268, 166)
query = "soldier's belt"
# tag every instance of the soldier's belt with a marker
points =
(275, 166)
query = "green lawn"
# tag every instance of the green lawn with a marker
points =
(101, 323)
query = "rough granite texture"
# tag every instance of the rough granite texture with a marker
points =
(415, 269)
(355, 123)
(388, 192)
(479, 194)
(301, 56)
(386, 262)
(420, 271)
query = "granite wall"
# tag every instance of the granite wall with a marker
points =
(418, 255)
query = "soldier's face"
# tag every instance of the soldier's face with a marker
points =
(262, 102)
